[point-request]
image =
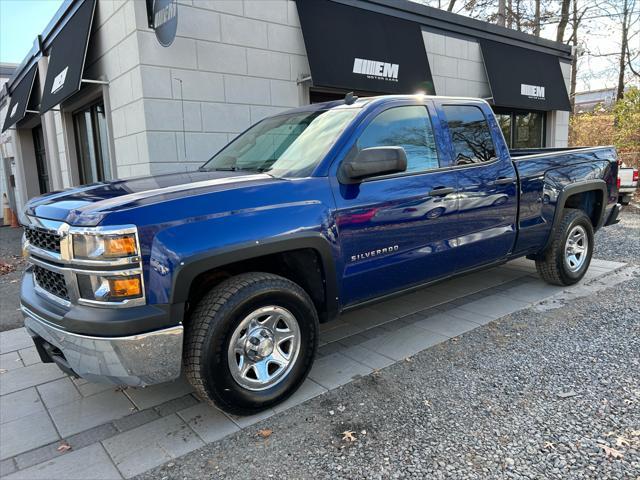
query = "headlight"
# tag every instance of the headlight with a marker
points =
(104, 246)
(109, 288)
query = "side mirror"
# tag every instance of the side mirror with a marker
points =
(373, 162)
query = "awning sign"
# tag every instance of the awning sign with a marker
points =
(524, 78)
(66, 57)
(355, 49)
(20, 99)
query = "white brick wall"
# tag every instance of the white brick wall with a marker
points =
(456, 65)
(238, 62)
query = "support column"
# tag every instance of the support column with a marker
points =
(49, 131)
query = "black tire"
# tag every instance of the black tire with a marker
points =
(551, 265)
(211, 326)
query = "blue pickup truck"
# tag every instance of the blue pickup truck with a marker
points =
(224, 274)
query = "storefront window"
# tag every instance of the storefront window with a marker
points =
(504, 120)
(91, 142)
(521, 129)
(528, 130)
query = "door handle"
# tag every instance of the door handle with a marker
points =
(441, 191)
(504, 181)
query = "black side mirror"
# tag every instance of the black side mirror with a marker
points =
(373, 162)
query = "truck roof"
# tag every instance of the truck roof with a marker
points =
(375, 100)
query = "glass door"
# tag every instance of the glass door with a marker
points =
(91, 142)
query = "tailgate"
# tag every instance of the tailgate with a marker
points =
(626, 176)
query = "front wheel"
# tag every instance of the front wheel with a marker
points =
(566, 260)
(250, 342)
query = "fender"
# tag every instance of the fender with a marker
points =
(572, 189)
(190, 268)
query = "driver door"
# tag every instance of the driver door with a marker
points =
(397, 230)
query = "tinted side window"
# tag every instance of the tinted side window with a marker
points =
(407, 127)
(470, 134)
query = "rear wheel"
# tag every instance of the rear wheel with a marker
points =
(250, 342)
(566, 260)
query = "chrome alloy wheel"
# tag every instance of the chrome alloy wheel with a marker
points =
(264, 347)
(575, 250)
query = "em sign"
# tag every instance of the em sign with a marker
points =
(165, 21)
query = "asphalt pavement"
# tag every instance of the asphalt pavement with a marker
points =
(552, 391)
(11, 268)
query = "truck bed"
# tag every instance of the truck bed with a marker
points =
(545, 172)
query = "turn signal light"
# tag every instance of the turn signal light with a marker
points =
(125, 287)
(124, 246)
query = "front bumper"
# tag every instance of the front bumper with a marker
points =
(135, 360)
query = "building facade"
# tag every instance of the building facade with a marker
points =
(116, 89)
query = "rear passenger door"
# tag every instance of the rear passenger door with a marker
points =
(486, 184)
(396, 230)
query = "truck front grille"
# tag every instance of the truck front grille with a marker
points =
(50, 281)
(43, 239)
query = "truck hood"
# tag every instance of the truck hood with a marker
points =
(88, 204)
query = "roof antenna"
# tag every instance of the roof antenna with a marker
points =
(350, 98)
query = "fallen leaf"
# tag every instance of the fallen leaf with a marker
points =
(64, 446)
(348, 436)
(363, 432)
(408, 359)
(611, 452)
(622, 442)
(265, 432)
(548, 445)
(426, 403)
(331, 412)
(341, 408)
(635, 433)
(3, 370)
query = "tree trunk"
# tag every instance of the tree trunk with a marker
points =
(564, 19)
(501, 12)
(574, 60)
(509, 13)
(452, 3)
(536, 20)
(623, 49)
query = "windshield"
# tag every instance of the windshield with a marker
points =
(284, 146)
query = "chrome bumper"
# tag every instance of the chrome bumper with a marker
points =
(136, 360)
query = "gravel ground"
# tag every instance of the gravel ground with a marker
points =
(537, 394)
(11, 267)
(621, 242)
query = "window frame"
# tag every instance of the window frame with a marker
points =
(101, 165)
(431, 112)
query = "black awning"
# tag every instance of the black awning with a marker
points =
(66, 57)
(20, 99)
(355, 49)
(523, 78)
